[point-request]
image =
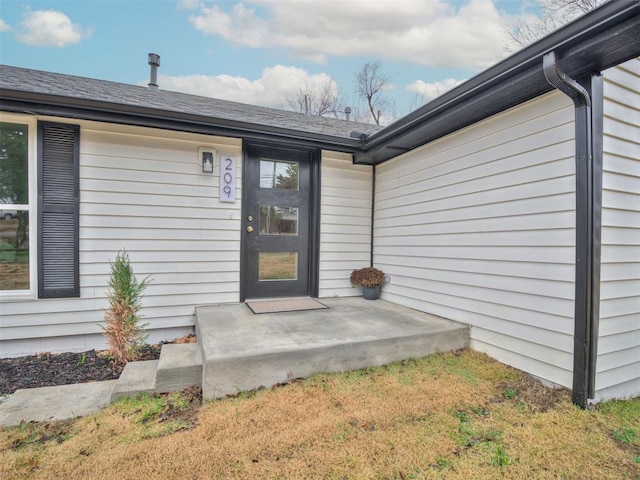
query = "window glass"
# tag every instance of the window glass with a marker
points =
(278, 174)
(14, 250)
(277, 266)
(14, 178)
(278, 220)
(14, 207)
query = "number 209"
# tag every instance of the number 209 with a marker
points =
(228, 179)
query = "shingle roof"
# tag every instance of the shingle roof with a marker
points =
(49, 86)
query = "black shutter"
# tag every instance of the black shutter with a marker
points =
(58, 210)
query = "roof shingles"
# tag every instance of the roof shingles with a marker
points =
(72, 87)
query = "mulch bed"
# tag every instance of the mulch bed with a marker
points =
(47, 369)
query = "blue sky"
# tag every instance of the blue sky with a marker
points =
(256, 51)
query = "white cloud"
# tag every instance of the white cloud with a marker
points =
(4, 26)
(269, 90)
(190, 4)
(428, 32)
(241, 26)
(426, 92)
(49, 28)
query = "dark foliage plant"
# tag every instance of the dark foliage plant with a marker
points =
(367, 277)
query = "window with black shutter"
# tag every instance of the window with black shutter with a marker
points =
(58, 210)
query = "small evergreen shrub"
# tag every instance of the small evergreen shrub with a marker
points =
(122, 326)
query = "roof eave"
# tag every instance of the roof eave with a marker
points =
(84, 109)
(607, 36)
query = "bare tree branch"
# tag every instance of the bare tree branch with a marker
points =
(370, 83)
(555, 13)
(317, 100)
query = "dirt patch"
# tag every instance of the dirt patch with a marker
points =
(627, 439)
(35, 435)
(532, 393)
(182, 408)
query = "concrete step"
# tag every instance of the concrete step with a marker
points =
(135, 379)
(179, 367)
(243, 351)
(46, 404)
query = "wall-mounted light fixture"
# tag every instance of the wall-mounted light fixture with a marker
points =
(207, 159)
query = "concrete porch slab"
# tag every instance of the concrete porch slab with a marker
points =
(244, 351)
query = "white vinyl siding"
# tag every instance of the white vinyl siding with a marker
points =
(479, 227)
(618, 364)
(143, 190)
(345, 223)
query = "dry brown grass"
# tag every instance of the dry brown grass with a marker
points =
(457, 416)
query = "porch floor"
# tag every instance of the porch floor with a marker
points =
(243, 351)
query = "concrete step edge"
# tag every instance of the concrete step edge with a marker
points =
(226, 376)
(463, 333)
(135, 379)
(179, 367)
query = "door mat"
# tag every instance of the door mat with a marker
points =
(284, 305)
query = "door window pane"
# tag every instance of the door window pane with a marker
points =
(278, 220)
(14, 250)
(277, 266)
(278, 174)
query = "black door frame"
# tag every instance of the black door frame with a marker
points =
(314, 211)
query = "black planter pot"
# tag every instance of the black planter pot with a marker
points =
(371, 293)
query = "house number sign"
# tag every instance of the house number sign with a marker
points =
(227, 179)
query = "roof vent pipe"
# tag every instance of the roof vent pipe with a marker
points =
(154, 63)
(347, 113)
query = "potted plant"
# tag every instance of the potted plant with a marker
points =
(370, 279)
